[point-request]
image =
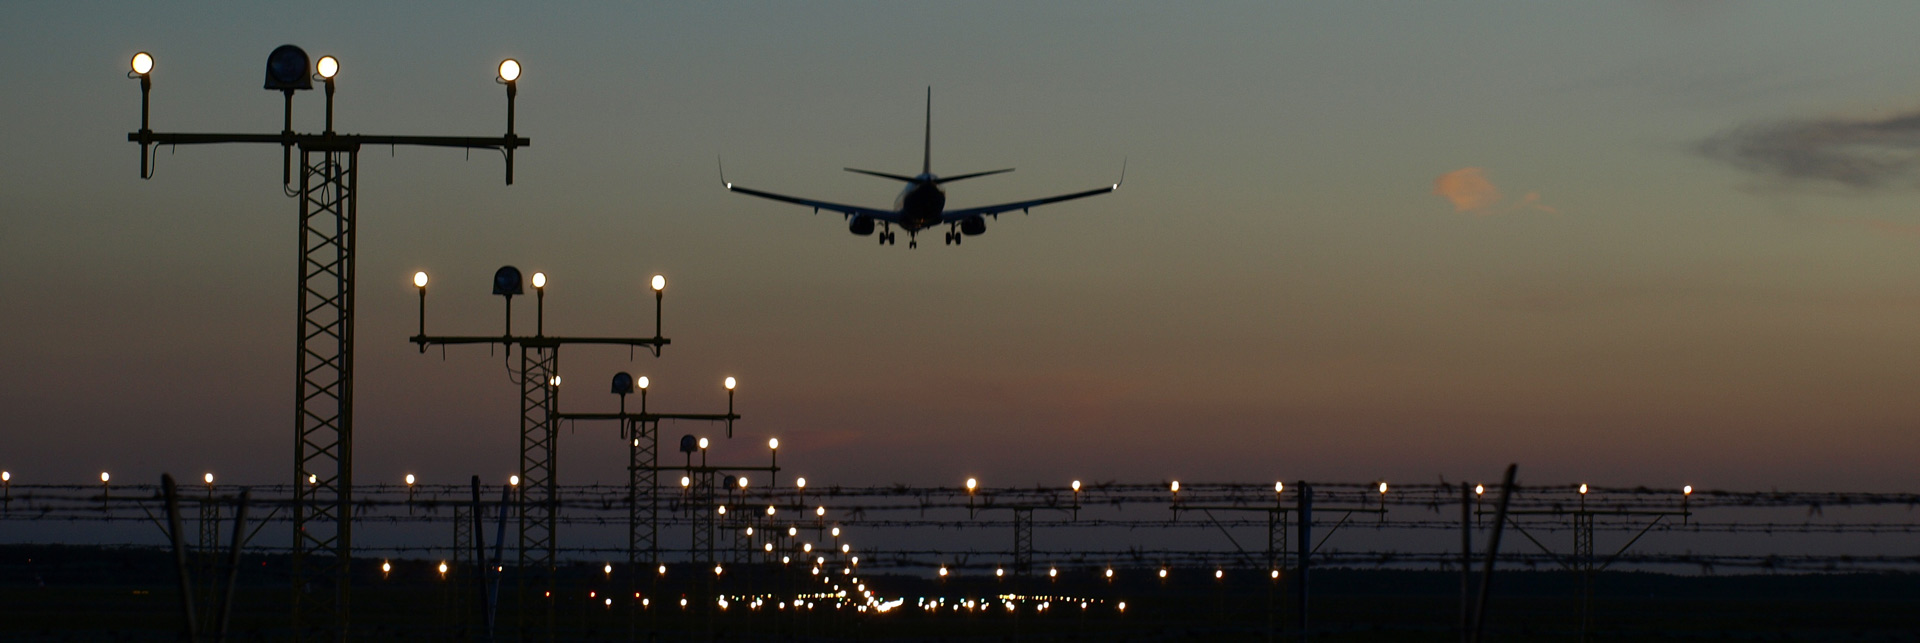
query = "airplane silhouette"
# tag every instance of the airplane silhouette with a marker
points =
(922, 204)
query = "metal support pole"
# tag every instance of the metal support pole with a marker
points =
(177, 535)
(1466, 559)
(1306, 552)
(233, 565)
(1493, 554)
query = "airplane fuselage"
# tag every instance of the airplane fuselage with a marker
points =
(920, 204)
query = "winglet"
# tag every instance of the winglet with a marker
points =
(723, 173)
(1123, 173)
(926, 157)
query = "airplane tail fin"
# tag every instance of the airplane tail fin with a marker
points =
(926, 157)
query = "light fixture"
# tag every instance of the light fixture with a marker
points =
(659, 283)
(142, 64)
(513, 480)
(730, 383)
(208, 478)
(801, 483)
(704, 443)
(288, 70)
(409, 478)
(510, 70)
(420, 279)
(773, 443)
(328, 66)
(539, 280)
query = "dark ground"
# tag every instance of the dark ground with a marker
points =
(60, 593)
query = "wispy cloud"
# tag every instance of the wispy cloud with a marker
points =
(1863, 154)
(1469, 191)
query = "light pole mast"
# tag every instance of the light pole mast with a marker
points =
(324, 338)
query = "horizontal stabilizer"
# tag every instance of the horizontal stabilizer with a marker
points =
(884, 175)
(950, 179)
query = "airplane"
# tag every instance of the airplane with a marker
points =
(922, 204)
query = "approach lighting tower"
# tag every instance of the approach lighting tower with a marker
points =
(323, 368)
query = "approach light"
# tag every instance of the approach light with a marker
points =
(509, 70)
(420, 279)
(1686, 490)
(104, 477)
(943, 571)
(769, 510)
(971, 483)
(208, 478)
(288, 70)
(704, 443)
(1175, 486)
(820, 511)
(836, 532)
(608, 568)
(997, 572)
(801, 483)
(659, 283)
(1076, 486)
(385, 567)
(443, 568)
(743, 482)
(539, 280)
(312, 478)
(6, 476)
(1383, 487)
(142, 63)
(328, 66)
(1479, 489)
(409, 478)
(730, 383)
(1163, 572)
(1583, 488)
(773, 443)
(513, 480)
(685, 481)
(1279, 487)
(643, 382)
(1218, 574)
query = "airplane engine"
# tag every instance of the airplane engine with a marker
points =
(974, 226)
(860, 225)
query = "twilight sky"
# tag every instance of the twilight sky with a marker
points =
(1625, 243)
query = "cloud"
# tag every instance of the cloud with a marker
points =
(1469, 191)
(1859, 154)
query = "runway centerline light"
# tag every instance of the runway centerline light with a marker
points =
(509, 70)
(142, 63)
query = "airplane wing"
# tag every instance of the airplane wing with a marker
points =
(877, 214)
(951, 216)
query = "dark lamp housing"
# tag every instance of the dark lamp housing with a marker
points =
(288, 69)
